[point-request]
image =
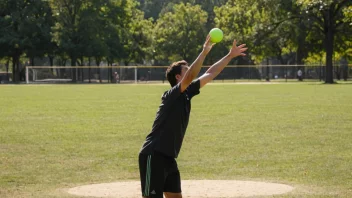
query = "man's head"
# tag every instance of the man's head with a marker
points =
(176, 71)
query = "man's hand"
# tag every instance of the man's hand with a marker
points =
(237, 51)
(207, 45)
(215, 69)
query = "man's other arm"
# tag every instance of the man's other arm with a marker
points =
(215, 69)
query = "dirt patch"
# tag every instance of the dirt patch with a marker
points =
(190, 188)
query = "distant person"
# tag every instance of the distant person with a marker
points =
(117, 77)
(159, 173)
(299, 75)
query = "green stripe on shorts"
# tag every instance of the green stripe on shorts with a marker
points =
(147, 179)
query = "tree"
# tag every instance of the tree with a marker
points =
(40, 32)
(91, 28)
(180, 34)
(68, 34)
(279, 27)
(152, 8)
(93, 21)
(138, 38)
(208, 6)
(331, 20)
(23, 24)
(242, 20)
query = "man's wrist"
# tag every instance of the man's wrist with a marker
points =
(229, 55)
(204, 53)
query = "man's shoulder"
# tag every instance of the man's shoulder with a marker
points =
(173, 91)
(195, 83)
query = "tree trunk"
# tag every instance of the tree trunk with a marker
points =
(15, 70)
(62, 72)
(267, 70)
(281, 59)
(329, 39)
(74, 70)
(32, 61)
(344, 68)
(110, 69)
(301, 40)
(97, 61)
(82, 70)
(7, 69)
(51, 60)
(89, 68)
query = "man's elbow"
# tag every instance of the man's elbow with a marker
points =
(211, 74)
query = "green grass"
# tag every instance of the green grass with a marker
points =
(54, 137)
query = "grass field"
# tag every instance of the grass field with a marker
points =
(54, 137)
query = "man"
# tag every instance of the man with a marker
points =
(158, 168)
(117, 77)
(299, 74)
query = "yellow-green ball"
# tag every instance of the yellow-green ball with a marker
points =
(216, 35)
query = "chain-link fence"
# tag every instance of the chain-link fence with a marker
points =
(156, 74)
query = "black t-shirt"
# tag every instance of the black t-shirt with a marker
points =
(171, 121)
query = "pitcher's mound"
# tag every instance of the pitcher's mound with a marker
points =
(190, 188)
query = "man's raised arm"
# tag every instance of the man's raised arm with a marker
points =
(215, 69)
(194, 69)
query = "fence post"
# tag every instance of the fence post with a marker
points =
(27, 80)
(135, 74)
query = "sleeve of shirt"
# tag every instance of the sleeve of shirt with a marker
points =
(193, 88)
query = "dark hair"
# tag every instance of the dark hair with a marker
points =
(174, 69)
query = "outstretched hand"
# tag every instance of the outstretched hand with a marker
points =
(207, 45)
(237, 50)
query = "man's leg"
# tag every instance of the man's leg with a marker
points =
(151, 169)
(172, 188)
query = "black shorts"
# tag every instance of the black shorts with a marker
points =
(158, 174)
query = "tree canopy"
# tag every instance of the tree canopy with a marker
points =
(159, 32)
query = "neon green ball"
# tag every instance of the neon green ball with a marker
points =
(216, 35)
